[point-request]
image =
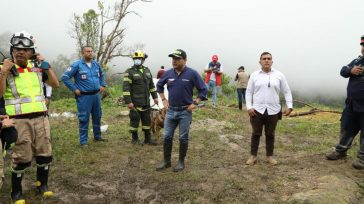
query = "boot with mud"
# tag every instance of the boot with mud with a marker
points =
(182, 154)
(16, 188)
(167, 150)
(42, 182)
(134, 138)
(358, 164)
(334, 155)
(147, 139)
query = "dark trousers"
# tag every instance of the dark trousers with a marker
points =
(269, 122)
(351, 124)
(136, 116)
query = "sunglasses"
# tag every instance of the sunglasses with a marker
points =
(24, 41)
(266, 58)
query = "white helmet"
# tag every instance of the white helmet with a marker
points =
(22, 39)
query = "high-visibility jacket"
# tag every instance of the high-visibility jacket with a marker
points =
(24, 93)
(138, 86)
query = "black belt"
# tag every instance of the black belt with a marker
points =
(90, 92)
(29, 115)
(178, 108)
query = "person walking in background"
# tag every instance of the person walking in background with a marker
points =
(181, 80)
(213, 70)
(161, 72)
(40, 62)
(352, 118)
(264, 109)
(137, 88)
(89, 81)
(241, 79)
(24, 102)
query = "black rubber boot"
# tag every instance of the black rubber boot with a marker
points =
(182, 154)
(147, 139)
(134, 138)
(240, 105)
(42, 182)
(16, 188)
(167, 151)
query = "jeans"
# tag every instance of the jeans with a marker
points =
(241, 94)
(89, 105)
(212, 84)
(173, 119)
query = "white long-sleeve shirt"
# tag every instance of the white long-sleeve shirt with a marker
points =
(262, 92)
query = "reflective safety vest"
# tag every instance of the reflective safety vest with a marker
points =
(24, 93)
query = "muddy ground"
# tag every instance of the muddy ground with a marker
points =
(119, 172)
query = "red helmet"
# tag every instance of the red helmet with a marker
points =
(215, 58)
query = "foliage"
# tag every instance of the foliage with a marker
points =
(104, 30)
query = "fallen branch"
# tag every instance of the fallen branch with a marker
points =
(312, 111)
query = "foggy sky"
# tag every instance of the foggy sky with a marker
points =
(310, 40)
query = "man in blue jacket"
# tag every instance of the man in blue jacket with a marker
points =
(89, 82)
(181, 80)
(352, 118)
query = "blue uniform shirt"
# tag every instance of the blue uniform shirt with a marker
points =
(180, 87)
(87, 79)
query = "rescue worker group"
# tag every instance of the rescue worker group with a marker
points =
(25, 129)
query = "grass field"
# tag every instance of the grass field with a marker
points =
(119, 172)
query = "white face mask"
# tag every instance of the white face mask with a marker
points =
(137, 62)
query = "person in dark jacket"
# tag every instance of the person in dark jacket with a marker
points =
(181, 80)
(137, 87)
(352, 118)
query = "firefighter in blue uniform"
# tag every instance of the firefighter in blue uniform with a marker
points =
(137, 87)
(89, 82)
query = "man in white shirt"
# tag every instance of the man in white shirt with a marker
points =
(263, 90)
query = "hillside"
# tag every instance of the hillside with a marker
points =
(119, 172)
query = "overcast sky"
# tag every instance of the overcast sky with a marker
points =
(310, 39)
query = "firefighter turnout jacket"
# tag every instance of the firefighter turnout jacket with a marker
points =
(138, 85)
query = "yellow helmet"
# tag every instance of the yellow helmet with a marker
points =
(138, 54)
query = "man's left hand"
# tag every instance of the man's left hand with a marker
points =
(191, 107)
(287, 112)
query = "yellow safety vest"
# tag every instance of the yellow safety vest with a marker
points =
(24, 93)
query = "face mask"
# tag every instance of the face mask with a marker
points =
(137, 62)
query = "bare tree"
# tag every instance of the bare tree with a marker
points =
(104, 30)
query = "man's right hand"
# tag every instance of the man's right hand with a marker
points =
(131, 105)
(357, 70)
(165, 103)
(78, 92)
(6, 122)
(252, 112)
(8, 64)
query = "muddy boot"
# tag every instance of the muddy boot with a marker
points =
(358, 164)
(42, 182)
(134, 138)
(240, 105)
(148, 140)
(167, 150)
(334, 155)
(16, 188)
(182, 154)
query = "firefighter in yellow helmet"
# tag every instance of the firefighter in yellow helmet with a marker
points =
(21, 87)
(138, 86)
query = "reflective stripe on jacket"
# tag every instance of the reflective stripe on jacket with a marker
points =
(24, 93)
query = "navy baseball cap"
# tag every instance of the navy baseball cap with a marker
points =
(178, 54)
(362, 40)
